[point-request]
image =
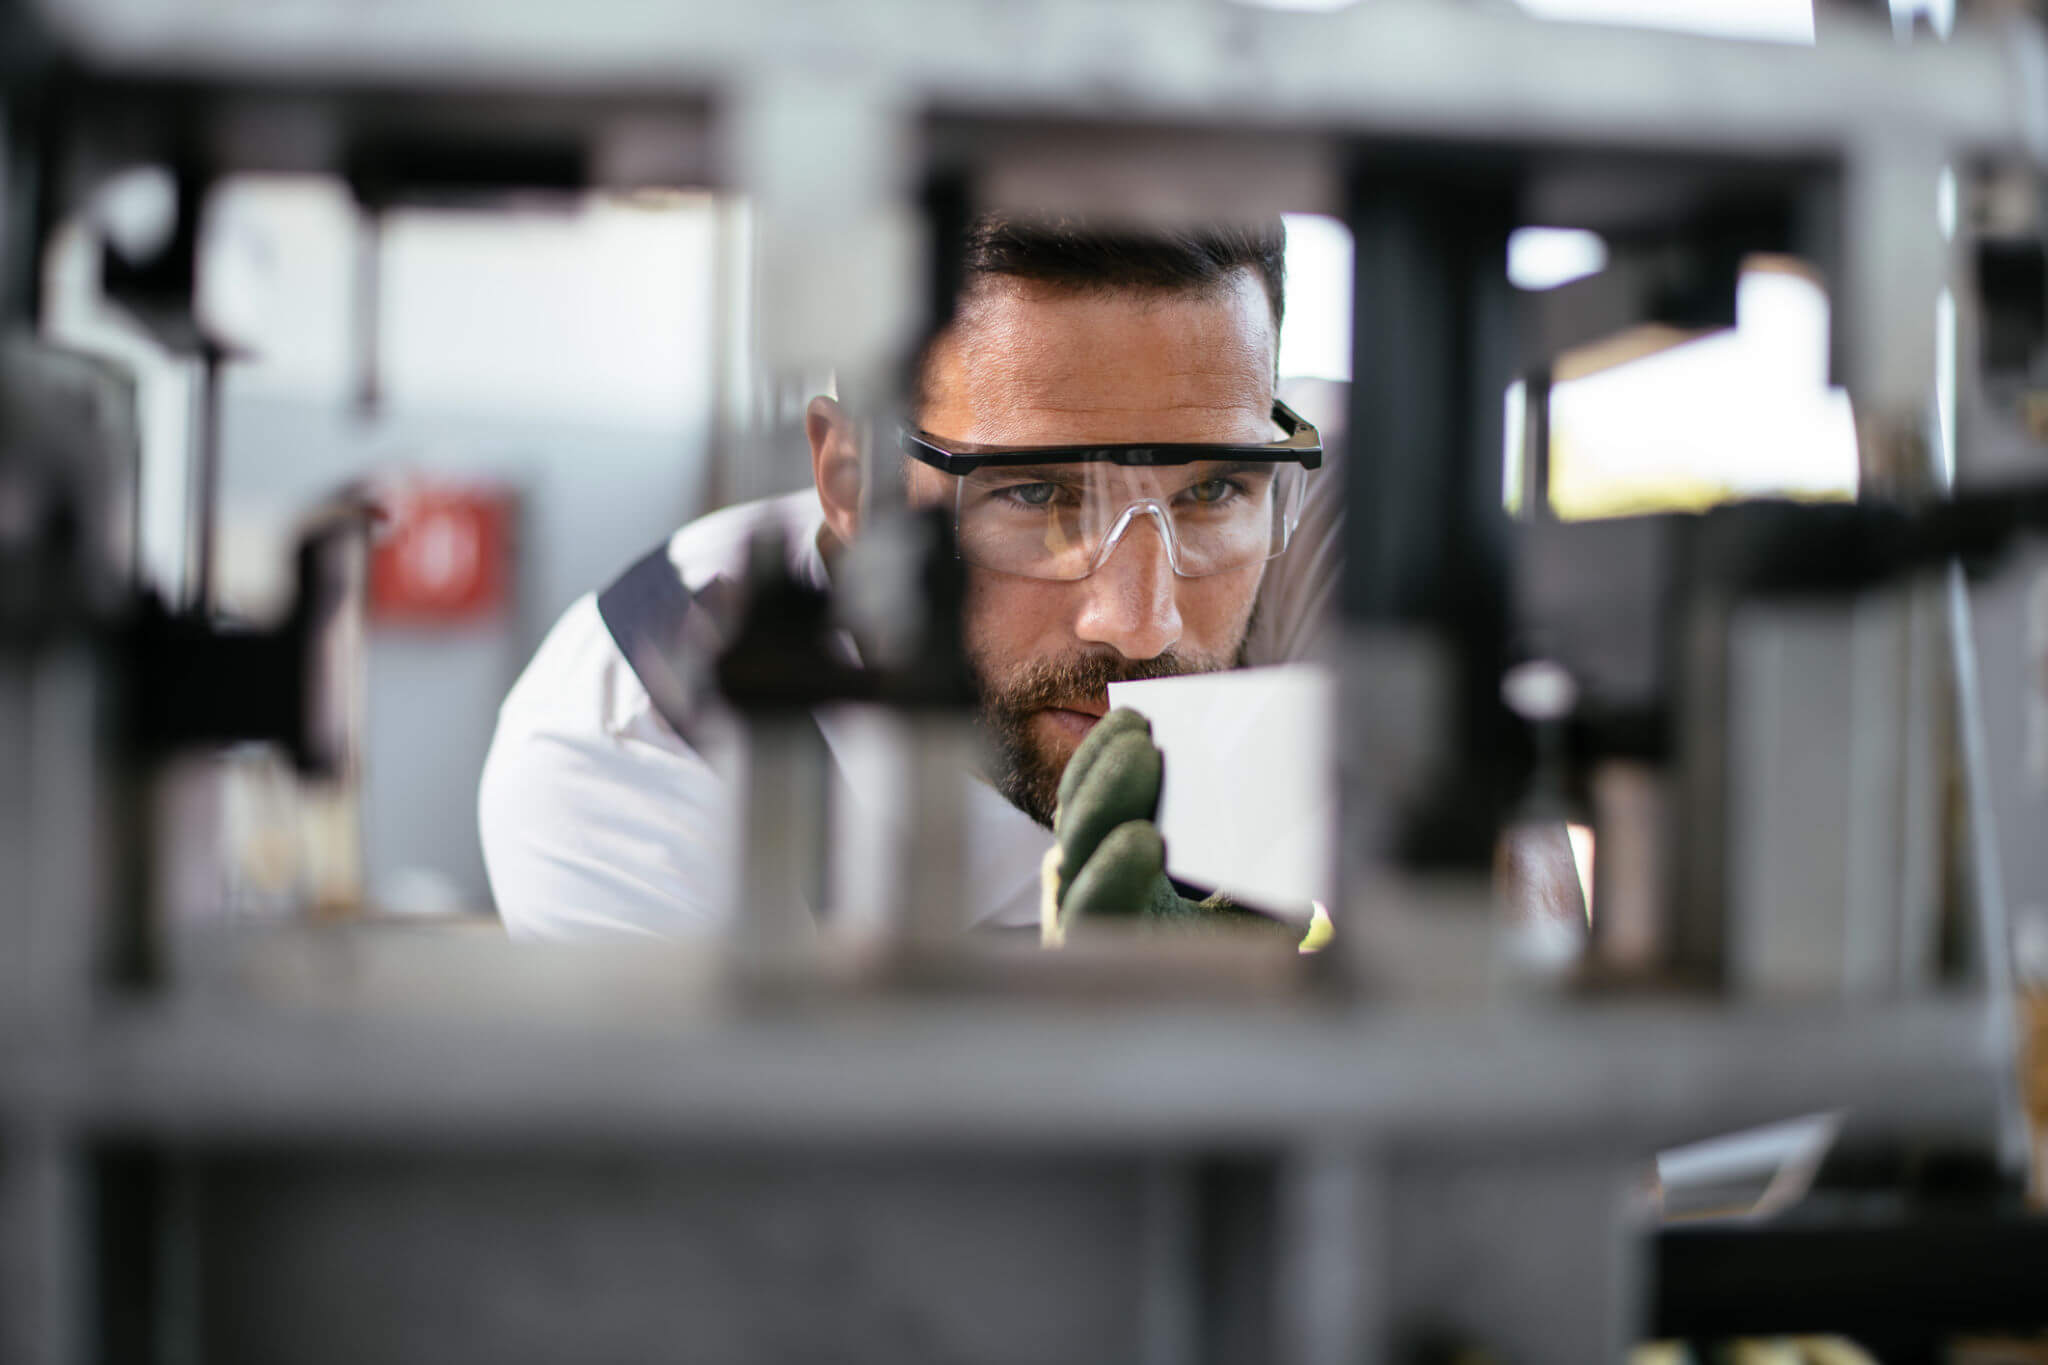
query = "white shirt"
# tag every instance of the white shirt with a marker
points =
(599, 820)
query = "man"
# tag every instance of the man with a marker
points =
(601, 816)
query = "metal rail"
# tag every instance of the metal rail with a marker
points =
(1381, 66)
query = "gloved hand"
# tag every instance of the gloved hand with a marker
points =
(1108, 861)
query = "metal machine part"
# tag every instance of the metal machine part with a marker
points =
(1795, 603)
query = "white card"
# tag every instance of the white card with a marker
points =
(1250, 799)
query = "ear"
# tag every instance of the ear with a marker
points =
(835, 466)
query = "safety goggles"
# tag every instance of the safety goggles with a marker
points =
(1058, 512)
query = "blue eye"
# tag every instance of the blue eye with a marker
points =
(1032, 494)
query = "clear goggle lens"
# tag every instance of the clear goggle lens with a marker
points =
(1062, 521)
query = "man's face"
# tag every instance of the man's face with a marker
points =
(1030, 364)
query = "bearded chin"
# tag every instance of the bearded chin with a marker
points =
(1017, 762)
(1028, 778)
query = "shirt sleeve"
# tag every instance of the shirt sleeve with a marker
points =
(597, 821)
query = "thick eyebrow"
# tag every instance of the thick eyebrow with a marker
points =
(1076, 475)
(1065, 475)
(1225, 469)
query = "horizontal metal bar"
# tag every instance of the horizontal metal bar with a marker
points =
(1402, 66)
(544, 1046)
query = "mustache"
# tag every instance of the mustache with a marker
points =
(1084, 677)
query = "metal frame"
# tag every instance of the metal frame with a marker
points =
(1404, 1140)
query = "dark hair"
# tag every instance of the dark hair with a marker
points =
(1074, 252)
(1077, 254)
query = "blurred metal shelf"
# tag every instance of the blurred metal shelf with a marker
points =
(1393, 66)
(539, 1044)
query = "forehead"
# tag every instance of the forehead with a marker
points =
(1027, 363)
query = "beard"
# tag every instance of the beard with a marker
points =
(1018, 761)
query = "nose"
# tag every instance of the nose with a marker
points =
(1132, 600)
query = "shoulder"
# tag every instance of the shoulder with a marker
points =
(598, 820)
(573, 677)
(597, 817)
(579, 679)
(590, 834)
(715, 545)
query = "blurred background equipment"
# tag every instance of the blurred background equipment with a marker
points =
(1699, 377)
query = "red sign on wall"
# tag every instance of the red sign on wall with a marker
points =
(445, 555)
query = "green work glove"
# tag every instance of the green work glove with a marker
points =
(1108, 861)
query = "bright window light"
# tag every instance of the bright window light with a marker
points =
(1778, 21)
(1315, 335)
(1546, 257)
(597, 311)
(137, 210)
(1940, 15)
(1744, 413)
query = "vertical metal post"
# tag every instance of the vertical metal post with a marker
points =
(1983, 958)
(1629, 896)
(1894, 266)
(1897, 266)
(1927, 901)
(1427, 551)
(1696, 822)
(1423, 594)
(1333, 1256)
(60, 893)
(1529, 1255)
(785, 832)
(935, 853)
(736, 375)
(24, 187)
(202, 549)
(1169, 1283)
(368, 321)
(1535, 451)
(825, 161)
(145, 1247)
(14, 213)
(943, 742)
(41, 1301)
